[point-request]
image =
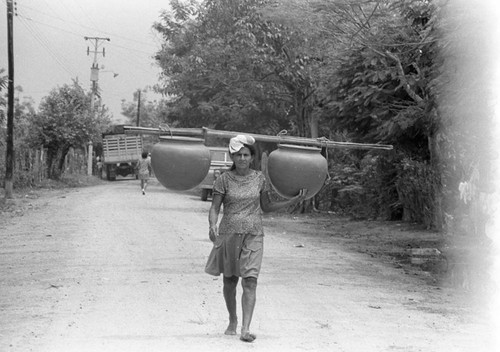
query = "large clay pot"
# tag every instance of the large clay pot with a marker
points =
(180, 163)
(292, 168)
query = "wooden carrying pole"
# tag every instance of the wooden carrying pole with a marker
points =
(280, 139)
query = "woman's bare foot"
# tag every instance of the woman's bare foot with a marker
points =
(247, 337)
(231, 328)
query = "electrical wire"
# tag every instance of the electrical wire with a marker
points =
(82, 10)
(51, 26)
(77, 20)
(132, 55)
(44, 43)
(128, 54)
(114, 35)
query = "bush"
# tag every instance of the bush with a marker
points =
(417, 184)
(383, 187)
(361, 185)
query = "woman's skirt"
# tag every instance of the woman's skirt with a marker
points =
(236, 255)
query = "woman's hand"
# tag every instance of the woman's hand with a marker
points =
(267, 205)
(212, 233)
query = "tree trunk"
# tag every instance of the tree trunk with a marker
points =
(437, 189)
(299, 115)
(314, 126)
(55, 161)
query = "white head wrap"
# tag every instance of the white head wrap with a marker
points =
(236, 143)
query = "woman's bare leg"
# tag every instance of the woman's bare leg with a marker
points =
(248, 304)
(230, 284)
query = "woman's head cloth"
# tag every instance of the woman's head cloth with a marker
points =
(238, 142)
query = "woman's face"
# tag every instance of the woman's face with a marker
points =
(242, 158)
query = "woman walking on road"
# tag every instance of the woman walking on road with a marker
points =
(143, 170)
(238, 242)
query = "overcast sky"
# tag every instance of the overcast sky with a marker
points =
(50, 49)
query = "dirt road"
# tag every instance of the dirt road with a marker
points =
(105, 268)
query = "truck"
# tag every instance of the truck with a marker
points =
(220, 161)
(120, 154)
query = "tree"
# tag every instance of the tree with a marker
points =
(23, 158)
(364, 70)
(230, 68)
(65, 121)
(152, 113)
(382, 78)
(378, 86)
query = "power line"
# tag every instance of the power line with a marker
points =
(33, 20)
(114, 35)
(132, 49)
(136, 61)
(77, 20)
(77, 3)
(44, 44)
(80, 35)
(48, 25)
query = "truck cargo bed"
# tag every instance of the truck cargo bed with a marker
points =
(121, 148)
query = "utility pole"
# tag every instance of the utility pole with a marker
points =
(138, 108)
(94, 77)
(9, 154)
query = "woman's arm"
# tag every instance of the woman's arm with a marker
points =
(268, 206)
(213, 215)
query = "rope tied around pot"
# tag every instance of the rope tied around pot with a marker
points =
(324, 144)
(166, 128)
(280, 134)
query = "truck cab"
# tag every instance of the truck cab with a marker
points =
(220, 162)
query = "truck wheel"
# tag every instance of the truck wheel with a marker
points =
(110, 173)
(204, 194)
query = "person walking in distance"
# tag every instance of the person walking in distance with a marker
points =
(144, 170)
(238, 242)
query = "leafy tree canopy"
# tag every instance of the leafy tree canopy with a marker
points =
(151, 113)
(383, 75)
(231, 68)
(64, 121)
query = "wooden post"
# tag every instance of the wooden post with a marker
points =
(9, 154)
(36, 168)
(138, 121)
(90, 160)
(283, 139)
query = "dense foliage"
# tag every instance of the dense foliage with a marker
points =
(63, 122)
(230, 68)
(145, 112)
(361, 71)
(382, 90)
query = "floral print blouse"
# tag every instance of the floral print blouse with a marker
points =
(242, 213)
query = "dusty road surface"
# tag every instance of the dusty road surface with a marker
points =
(105, 268)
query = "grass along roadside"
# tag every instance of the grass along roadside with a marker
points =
(23, 197)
